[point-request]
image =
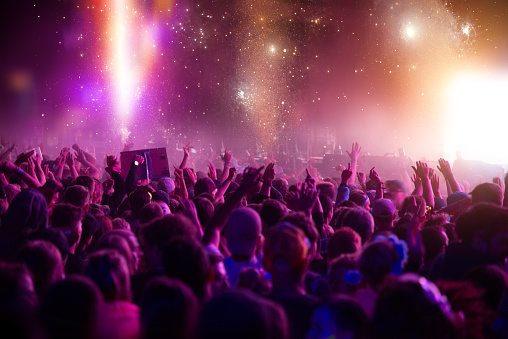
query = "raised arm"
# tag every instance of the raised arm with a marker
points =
(211, 236)
(186, 151)
(224, 186)
(354, 154)
(9, 169)
(182, 188)
(83, 159)
(377, 180)
(445, 168)
(422, 171)
(227, 157)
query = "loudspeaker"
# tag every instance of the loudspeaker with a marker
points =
(155, 166)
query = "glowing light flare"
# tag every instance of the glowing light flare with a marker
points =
(478, 118)
(409, 32)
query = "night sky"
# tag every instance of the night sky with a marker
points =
(265, 72)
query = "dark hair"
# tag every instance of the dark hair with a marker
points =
(77, 195)
(185, 259)
(342, 241)
(70, 308)
(271, 212)
(483, 219)
(109, 270)
(347, 315)
(326, 203)
(66, 215)
(376, 261)
(492, 280)
(160, 231)
(204, 185)
(306, 224)
(169, 309)
(434, 241)
(205, 209)
(150, 212)
(326, 189)
(242, 314)
(361, 221)
(137, 199)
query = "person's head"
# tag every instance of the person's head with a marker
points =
(185, 259)
(340, 317)
(54, 236)
(271, 212)
(361, 221)
(377, 261)
(155, 234)
(121, 224)
(121, 245)
(280, 185)
(17, 300)
(487, 192)
(327, 205)
(435, 241)
(383, 212)
(342, 241)
(456, 197)
(242, 314)
(360, 198)
(137, 199)
(326, 189)
(44, 262)
(88, 183)
(28, 211)
(77, 195)
(168, 309)
(492, 279)
(205, 209)
(485, 227)
(243, 231)
(133, 242)
(396, 192)
(306, 224)
(410, 306)
(109, 270)
(166, 184)
(68, 218)
(285, 252)
(70, 308)
(343, 275)
(204, 185)
(150, 212)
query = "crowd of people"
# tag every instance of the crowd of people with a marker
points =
(92, 251)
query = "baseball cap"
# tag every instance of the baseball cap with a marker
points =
(383, 208)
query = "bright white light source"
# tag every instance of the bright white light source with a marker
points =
(477, 120)
(466, 29)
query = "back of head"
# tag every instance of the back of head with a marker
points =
(305, 224)
(376, 262)
(383, 210)
(87, 182)
(327, 189)
(169, 309)
(17, 300)
(342, 241)
(204, 185)
(285, 250)
(150, 212)
(434, 241)
(137, 199)
(70, 307)
(54, 236)
(243, 231)
(412, 307)
(346, 319)
(120, 245)
(272, 211)
(185, 259)
(242, 314)
(359, 198)
(491, 279)
(343, 277)
(205, 209)
(487, 192)
(361, 221)
(326, 203)
(166, 184)
(109, 270)
(27, 212)
(77, 195)
(44, 261)
(482, 220)
(160, 231)
(68, 217)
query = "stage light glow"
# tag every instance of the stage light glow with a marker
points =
(478, 118)
(409, 32)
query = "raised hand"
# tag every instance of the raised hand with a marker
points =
(416, 180)
(227, 156)
(361, 177)
(140, 159)
(186, 149)
(303, 199)
(24, 156)
(178, 174)
(269, 173)
(212, 172)
(444, 167)
(374, 176)
(355, 151)
(251, 177)
(346, 174)
(309, 179)
(421, 169)
(232, 173)
(434, 182)
(498, 181)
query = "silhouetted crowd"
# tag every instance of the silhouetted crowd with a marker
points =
(247, 247)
